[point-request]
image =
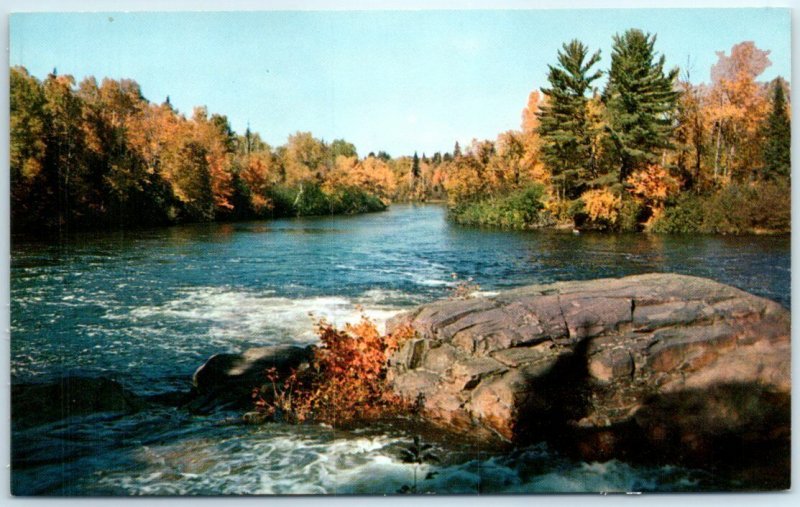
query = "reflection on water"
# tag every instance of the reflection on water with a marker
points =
(149, 306)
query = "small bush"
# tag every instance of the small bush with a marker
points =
(346, 382)
(631, 216)
(682, 216)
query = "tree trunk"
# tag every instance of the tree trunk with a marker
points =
(716, 154)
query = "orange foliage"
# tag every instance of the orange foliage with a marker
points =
(653, 185)
(347, 380)
(217, 156)
(259, 175)
(737, 108)
(530, 118)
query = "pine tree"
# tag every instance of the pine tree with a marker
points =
(777, 131)
(563, 127)
(641, 101)
(415, 166)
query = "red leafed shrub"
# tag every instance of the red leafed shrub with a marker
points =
(347, 380)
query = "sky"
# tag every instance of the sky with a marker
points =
(398, 81)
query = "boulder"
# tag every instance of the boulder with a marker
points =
(227, 380)
(659, 366)
(35, 404)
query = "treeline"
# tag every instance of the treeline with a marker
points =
(101, 155)
(650, 151)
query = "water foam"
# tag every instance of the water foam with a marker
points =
(314, 460)
(236, 314)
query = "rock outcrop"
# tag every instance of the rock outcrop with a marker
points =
(661, 366)
(226, 380)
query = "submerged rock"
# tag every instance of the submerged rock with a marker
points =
(34, 404)
(659, 366)
(227, 380)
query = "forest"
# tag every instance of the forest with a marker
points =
(650, 151)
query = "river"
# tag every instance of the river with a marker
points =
(147, 307)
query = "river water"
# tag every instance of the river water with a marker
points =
(148, 307)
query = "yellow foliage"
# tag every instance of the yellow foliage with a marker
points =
(602, 205)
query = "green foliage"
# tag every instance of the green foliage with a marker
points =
(777, 148)
(734, 209)
(340, 147)
(520, 209)
(641, 100)
(351, 200)
(630, 216)
(311, 200)
(682, 216)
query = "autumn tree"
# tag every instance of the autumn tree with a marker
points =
(192, 181)
(217, 138)
(563, 127)
(31, 184)
(303, 159)
(738, 106)
(259, 170)
(64, 149)
(641, 99)
(531, 164)
(690, 135)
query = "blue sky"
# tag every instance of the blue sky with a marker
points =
(396, 81)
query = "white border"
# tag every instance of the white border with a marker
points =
(8, 6)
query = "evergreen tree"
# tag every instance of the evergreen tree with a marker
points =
(641, 100)
(778, 137)
(415, 166)
(457, 150)
(563, 127)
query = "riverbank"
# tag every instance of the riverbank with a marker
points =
(736, 209)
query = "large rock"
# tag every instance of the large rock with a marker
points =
(34, 404)
(657, 365)
(227, 380)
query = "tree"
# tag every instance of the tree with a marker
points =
(691, 133)
(738, 106)
(218, 140)
(28, 143)
(563, 127)
(64, 149)
(340, 147)
(777, 134)
(192, 181)
(415, 166)
(641, 100)
(304, 159)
